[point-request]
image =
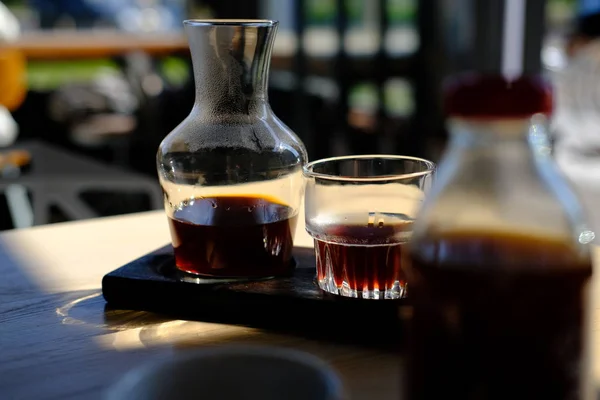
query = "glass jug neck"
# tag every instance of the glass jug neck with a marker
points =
(466, 133)
(526, 136)
(231, 66)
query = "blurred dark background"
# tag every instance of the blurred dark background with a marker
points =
(94, 86)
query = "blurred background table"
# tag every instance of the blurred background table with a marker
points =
(72, 44)
(57, 181)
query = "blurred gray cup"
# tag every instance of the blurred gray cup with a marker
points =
(228, 373)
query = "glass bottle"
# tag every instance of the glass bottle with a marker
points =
(499, 261)
(231, 172)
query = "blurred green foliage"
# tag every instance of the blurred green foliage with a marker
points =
(49, 75)
(320, 11)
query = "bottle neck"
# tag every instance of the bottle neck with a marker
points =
(231, 68)
(467, 133)
(527, 136)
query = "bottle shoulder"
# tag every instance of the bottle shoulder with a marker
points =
(503, 195)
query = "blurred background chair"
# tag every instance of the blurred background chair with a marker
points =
(107, 80)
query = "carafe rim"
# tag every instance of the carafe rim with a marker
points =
(231, 22)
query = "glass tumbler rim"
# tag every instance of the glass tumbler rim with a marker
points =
(308, 168)
(231, 22)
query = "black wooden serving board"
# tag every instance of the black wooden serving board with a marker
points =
(290, 304)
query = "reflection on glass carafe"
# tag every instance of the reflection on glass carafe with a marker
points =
(231, 171)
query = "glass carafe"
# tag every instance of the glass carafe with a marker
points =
(499, 257)
(231, 172)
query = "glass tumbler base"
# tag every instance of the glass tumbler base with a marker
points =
(396, 291)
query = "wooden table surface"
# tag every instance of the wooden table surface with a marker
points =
(57, 341)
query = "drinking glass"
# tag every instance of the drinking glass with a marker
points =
(360, 211)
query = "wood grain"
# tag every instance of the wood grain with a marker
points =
(58, 340)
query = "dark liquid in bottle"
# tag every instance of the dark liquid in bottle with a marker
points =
(496, 317)
(365, 258)
(233, 236)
